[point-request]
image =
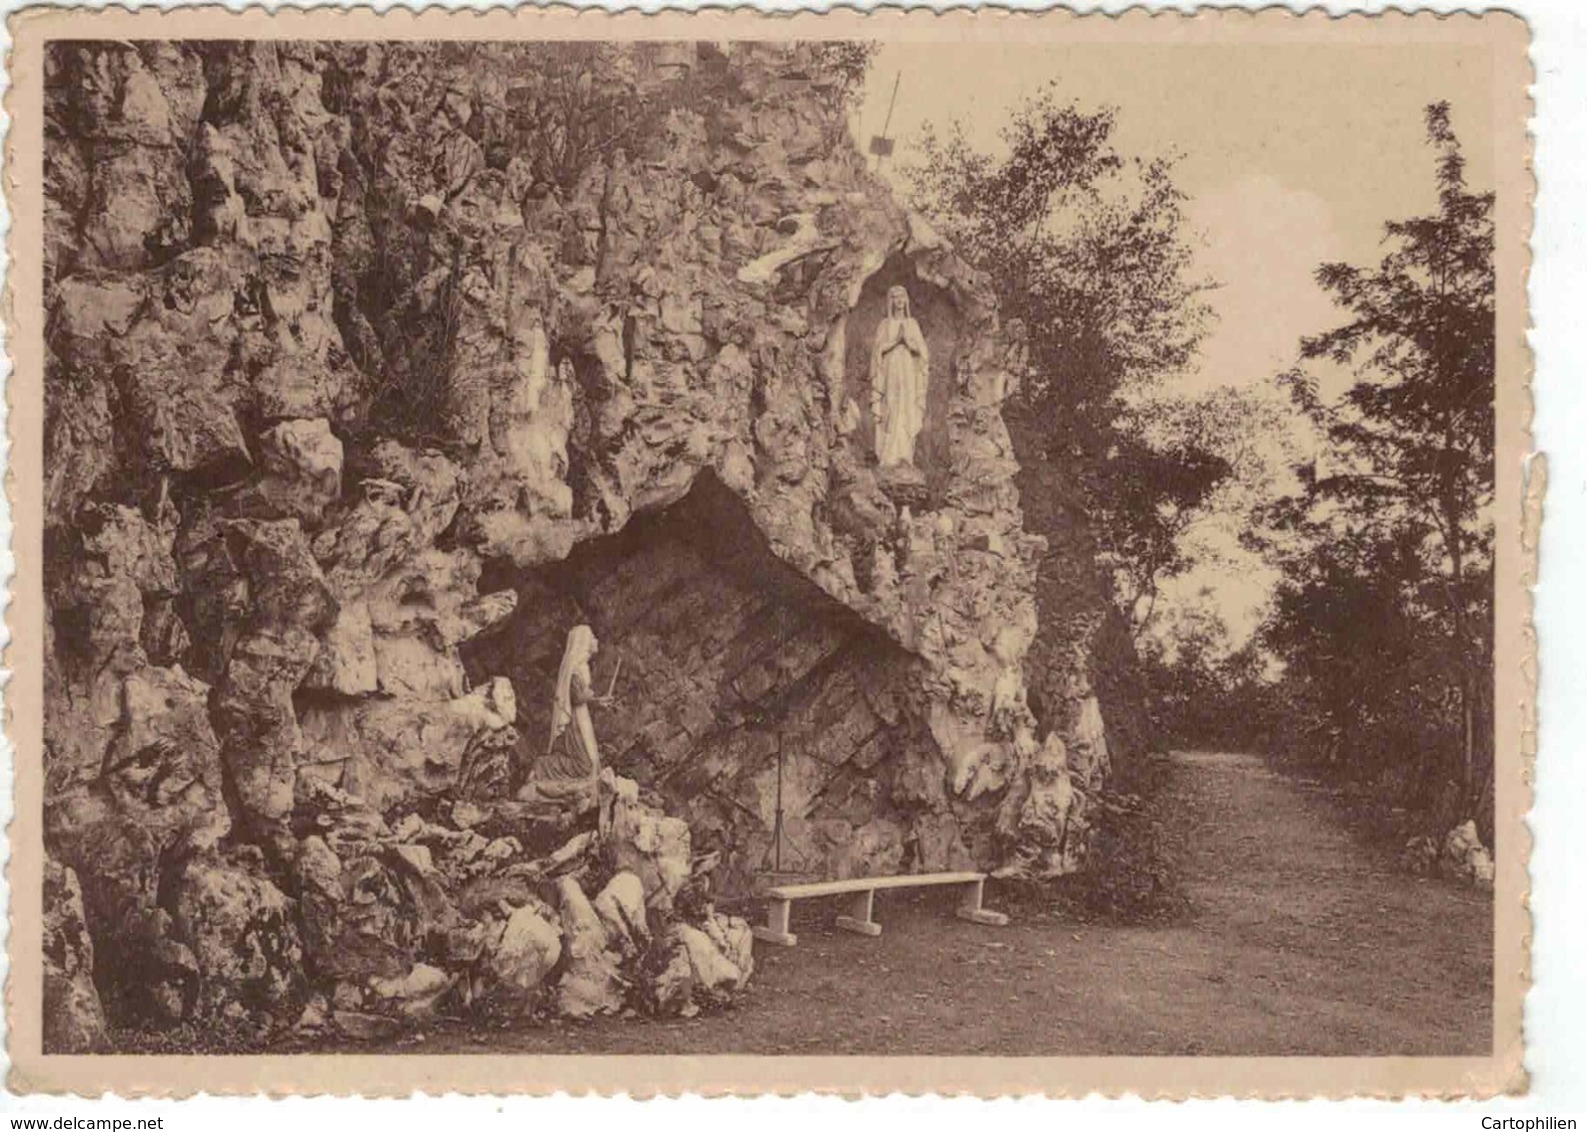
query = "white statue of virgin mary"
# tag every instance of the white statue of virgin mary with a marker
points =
(900, 368)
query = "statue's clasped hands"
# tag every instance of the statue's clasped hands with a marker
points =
(901, 340)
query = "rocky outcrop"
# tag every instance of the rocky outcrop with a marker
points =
(74, 1019)
(1085, 684)
(244, 936)
(368, 376)
(1461, 856)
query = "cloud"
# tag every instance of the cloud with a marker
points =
(1264, 242)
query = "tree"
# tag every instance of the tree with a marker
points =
(1089, 250)
(847, 62)
(1208, 689)
(1189, 469)
(1403, 499)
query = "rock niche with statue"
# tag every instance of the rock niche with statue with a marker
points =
(469, 576)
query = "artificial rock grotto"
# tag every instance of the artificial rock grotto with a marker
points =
(367, 378)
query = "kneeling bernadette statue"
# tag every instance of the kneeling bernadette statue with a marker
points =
(570, 768)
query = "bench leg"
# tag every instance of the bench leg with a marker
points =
(859, 919)
(970, 907)
(776, 928)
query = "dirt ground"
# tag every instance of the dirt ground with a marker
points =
(1302, 940)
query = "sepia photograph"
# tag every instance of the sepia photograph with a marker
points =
(775, 545)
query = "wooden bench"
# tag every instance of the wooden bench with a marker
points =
(779, 901)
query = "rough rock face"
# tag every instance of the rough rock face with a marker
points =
(74, 1019)
(361, 392)
(243, 932)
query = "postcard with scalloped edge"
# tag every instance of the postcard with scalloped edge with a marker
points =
(701, 553)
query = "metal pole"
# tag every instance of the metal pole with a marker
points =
(777, 825)
(888, 123)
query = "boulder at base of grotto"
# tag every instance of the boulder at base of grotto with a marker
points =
(394, 926)
(426, 920)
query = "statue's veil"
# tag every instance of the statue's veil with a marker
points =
(575, 658)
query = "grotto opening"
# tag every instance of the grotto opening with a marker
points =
(726, 658)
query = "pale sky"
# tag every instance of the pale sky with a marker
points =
(1292, 155)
